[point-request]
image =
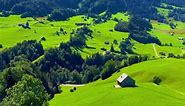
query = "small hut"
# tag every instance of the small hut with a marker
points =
(126, 81)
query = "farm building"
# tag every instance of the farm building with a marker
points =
(126, 81)
(180, 38)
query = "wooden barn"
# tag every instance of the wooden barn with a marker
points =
(125, 81)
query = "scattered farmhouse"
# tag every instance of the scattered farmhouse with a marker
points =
(25, 25)
(172, 33)
(125, 81)
(180, 38)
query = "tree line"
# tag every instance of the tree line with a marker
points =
(31, 49)
(137, 28)
(63, 9)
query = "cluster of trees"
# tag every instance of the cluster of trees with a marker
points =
(175, 2)
(27, 8)
(31, 49)
(172, 55)
(112, 66)
(144, 37)
(63, 56)
(126, 46)
(175, 13)
(122, 26)
(178, 14)
(22, 84)
(32, 8)
(61, 14)
(103, 18)
(143, 8)
(79, 36)
(137, 27)
(65, 65)
(99, 6)
(135, 23)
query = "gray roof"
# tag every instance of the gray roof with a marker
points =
(122, 77)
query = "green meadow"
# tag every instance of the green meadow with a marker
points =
(11, 33)
(171, 91)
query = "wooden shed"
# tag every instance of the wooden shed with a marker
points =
(126, 81)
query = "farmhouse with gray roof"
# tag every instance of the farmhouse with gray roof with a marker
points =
(126, 81)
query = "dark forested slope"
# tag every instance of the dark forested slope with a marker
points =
(45, 7)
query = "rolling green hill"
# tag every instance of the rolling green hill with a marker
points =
(11, 33)
(171, 92)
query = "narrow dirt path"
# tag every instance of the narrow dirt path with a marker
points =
(155, 50)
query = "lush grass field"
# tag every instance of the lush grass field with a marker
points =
(11, 33)
(99, 39)
(162, 32)
(171, 92)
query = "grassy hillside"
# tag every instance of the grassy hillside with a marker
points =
(64, 65)
(11, 33)
(171, 92)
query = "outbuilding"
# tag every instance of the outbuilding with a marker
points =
(125, 81)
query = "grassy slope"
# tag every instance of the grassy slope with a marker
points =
(162, 31)
(99, 39)
(171, 92)
(10, 34)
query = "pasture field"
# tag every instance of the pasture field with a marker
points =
(11, 33)
(171, 91)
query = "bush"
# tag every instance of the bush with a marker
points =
(71, 90)
(144, 37)
(157, 80)
(103, 49)
(183, 42)
(1, 46)
(5, 14)
(112, 48)
(172, 25)
(43, 39)
(107, 42)
(126, 46)
(122, 27)
(115, 42)
(171, 55)
(108, 69)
